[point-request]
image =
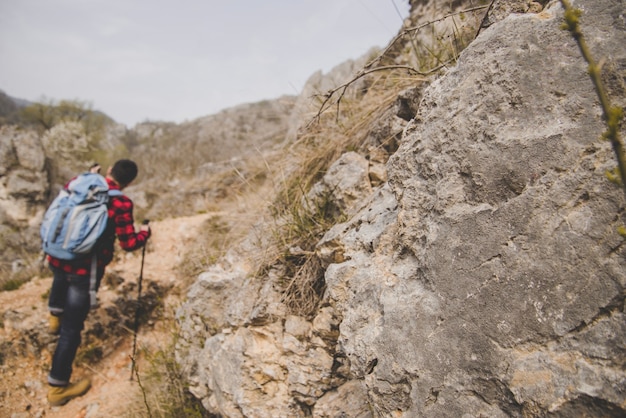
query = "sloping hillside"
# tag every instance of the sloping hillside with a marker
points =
(107, 346)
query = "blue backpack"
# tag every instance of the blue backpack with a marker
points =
(77, 217)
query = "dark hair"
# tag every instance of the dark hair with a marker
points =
(124, 171)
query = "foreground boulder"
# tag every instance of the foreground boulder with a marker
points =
(485, 278)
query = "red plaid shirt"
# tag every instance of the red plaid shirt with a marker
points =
(120, 224)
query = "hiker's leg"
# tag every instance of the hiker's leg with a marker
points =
(58, 292)
(76, 310)
(99, 276)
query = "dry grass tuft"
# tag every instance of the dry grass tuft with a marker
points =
(302, 293)
(163, 389)
(342, 124)
(300, 224)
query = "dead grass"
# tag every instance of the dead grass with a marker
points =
(13, 279)
(343, 124)
(164, 393)
(335, 133)
(300, 224)
(303, 290)
(208, 246)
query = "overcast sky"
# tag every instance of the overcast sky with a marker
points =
(169, 60)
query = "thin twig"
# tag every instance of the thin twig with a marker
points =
(482, 22)
(368, 68)
(408, 31)
(87, 366)
(143, 389)
(343, 87)
(612, 115)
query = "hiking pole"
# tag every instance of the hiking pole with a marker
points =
(136, 327)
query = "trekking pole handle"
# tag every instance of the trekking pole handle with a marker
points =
(145, 223)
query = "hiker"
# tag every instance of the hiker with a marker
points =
(70, 300)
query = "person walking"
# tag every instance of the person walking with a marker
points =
(70, 301)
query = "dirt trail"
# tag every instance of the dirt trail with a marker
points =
(22, 379)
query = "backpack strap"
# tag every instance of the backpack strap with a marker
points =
(93, 278)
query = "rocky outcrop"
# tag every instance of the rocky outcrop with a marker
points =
(33, 167)
(22, 168)
(181, 163)
(24, 189)
(485, 278)
(509, 253)
(318, 86)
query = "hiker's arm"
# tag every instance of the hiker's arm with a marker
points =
(125, 226)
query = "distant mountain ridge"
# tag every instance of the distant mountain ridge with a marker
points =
(4, 97)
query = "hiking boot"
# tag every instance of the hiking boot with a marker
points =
(54, 324)
(60, 395)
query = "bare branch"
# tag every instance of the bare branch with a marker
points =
(370, 66)
(409, 31)
(484, 18)
(343, 87)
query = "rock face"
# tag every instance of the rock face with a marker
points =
(24, 189)
(22, 169)
(485, 278)
(318, 84)
(33, 167)
(511, 225)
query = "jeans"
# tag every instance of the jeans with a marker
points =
(69, 298)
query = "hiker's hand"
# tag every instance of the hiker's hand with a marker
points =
(95, 168)
(145, 226)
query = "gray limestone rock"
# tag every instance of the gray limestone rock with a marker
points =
(24, 184)
(486, 278)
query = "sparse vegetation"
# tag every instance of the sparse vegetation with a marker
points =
(163, 389)
(13, 276)
(300, 224)
(46, 114)
(89, 354)
(423, 57)
(208, 246)
(11, 284)
(9, 110)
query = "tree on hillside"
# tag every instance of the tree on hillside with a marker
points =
(46, 114)
(73, 134)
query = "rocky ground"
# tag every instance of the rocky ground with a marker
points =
(26, 347)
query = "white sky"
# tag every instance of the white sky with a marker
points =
(176, 60)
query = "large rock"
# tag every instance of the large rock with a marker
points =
(346, 183)
(29, 151)
(24, 181)
(508, 265)
(24, 189)
(67, 145)
(486, 278)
